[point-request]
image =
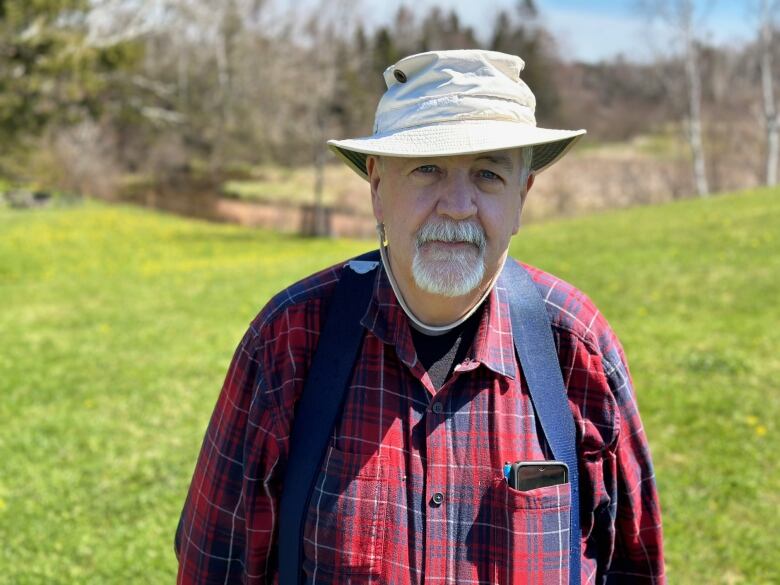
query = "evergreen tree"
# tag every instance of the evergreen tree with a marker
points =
(48, 70)
(385, 53)
(532, 43)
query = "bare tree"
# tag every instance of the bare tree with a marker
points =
(771, 116)
(693, 77)
(325, 33)
(680, 18)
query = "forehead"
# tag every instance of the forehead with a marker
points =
(510, 159)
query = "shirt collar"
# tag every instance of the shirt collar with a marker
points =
(493, 344)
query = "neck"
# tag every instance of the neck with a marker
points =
(434, 314)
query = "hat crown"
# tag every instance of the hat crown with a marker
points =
(450, 86)
(447, 103)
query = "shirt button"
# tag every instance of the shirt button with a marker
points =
(437, 407)
(437, 499)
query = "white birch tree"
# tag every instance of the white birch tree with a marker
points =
(771, 116)
(684, 26)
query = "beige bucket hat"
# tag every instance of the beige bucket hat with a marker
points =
(444, 103)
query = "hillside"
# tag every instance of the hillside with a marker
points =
(118, 325)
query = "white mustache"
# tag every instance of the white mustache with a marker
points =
(452, 231)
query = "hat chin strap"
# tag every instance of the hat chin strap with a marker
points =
(432, 330)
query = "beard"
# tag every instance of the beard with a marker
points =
(446, 269)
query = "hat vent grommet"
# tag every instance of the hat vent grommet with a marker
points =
(400, 76)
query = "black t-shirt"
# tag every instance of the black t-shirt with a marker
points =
(440, 353)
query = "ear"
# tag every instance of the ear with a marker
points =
(372, 167)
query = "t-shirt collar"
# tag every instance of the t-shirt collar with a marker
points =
(493, 345)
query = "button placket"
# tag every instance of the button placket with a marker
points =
(436, 473)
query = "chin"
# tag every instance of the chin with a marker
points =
(453, 277)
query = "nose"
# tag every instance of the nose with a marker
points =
(457, 200)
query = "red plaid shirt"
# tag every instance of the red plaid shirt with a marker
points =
(411, 488)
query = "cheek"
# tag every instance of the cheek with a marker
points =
(499, 221)
(410, 215)
(399, 231)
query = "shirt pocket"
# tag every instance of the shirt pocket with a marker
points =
(531, 534)
(345, 526)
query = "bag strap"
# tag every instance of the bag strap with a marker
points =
(320, 405)
(532, 334)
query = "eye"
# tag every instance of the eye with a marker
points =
(426, 169)
(488, 175)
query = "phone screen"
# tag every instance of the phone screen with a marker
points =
(528, 475)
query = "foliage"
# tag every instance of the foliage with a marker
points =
(150, 86)
(537, 48)
(118, 325)
(201, 93)
(49, 73)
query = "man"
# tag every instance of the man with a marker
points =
(412, 487)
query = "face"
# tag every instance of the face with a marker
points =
(448, 220)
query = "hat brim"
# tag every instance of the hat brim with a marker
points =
(461, 137)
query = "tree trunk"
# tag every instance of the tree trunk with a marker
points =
(694, 105)
(320, 222)
(772, 123)
(223, 94)
(182, 76)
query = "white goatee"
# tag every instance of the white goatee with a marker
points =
(450, 272)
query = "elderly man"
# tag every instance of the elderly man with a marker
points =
(444, 461)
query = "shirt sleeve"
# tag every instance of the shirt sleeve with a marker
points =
(226, 530)
(637, 557)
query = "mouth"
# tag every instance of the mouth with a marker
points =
(447, 249)
(449, 244)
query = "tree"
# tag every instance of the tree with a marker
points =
(527, 39)
(694, 96)
(49, 72)
(213, 90)
(322, 103)
(385, 53)
(771, 115)
(681, 20)
(444, 31)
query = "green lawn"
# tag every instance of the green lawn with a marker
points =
(118, 324)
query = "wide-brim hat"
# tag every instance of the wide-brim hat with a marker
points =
(444, 103)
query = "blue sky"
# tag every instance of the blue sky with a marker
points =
(590, 30)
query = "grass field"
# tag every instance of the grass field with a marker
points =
(117, 325)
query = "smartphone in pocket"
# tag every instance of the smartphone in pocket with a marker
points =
(529, 475)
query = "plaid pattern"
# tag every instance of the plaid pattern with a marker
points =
(411, 488)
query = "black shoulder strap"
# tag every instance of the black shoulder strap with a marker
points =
(320, 405)
(532, 334)
(325, 388)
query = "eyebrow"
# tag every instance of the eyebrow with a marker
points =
(502, 160)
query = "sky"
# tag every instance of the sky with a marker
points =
(592, 30)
